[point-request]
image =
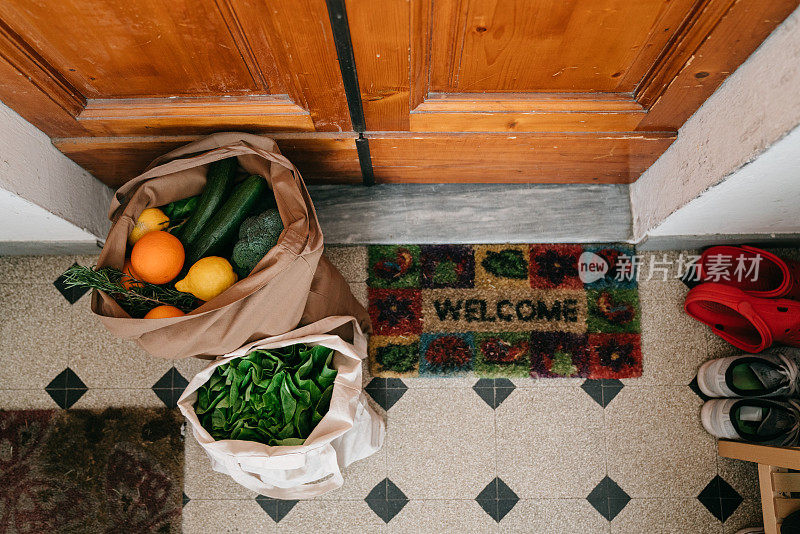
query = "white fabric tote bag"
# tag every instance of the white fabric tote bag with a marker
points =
(350, 431)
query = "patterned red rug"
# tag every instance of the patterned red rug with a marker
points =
(119, 470)
(504, 310)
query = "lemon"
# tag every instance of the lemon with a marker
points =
(149, 220)
(208, 278)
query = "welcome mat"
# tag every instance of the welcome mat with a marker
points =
(561, 310)
(119, 470)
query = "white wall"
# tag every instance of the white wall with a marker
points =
(34, 171)
(756, 106)
(29, 229)
(762, 197)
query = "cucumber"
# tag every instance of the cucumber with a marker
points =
(223, 227)
(219, 181)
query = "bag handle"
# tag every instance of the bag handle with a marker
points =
(284, 461)
(304, 490)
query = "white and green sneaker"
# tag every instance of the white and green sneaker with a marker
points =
(764, 421)
(774, 373)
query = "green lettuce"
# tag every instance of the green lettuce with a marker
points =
(274, 396)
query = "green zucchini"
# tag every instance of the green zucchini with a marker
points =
(219, 181)
(223, 227)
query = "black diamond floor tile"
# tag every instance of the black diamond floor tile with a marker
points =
(696, 388)
(720, 498)
(608, 498)
(66, 388)
(72, 294)
(497, 499)
(602, 391)
(493, 391)
(170, 387)
(275, 508)
(186, 499)
(386, 391)
(386, 500)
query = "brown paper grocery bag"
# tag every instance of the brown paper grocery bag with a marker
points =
(271, 300)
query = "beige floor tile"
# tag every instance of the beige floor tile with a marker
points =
(673, 344)
(656, 446)
(550, 443)
(36, 269)
(104, 398)
(748, 514)
(188, 367)
(350, 260)
(448, 382)
(652, 264)
(104, 361)
(641, 515)
(548, 382)
(34, 335)
(329, 516)
(665, 516)
(442, 517)
(742, 476)
(202, 482)
(689, 515)
(87, 260)
(245, 516)
(441, 444)
(553, 516)
(718, 347)
(360, 292)
(26, 399)
(360, 477)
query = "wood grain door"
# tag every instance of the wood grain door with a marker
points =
(135, 71)
(541, 90)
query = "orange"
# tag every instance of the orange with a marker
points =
(129, 277)
(164, 312)
(157, 257)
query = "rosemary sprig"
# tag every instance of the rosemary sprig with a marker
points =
(137, 301)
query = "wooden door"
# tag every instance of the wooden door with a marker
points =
(541, 90)
(450, 90)
(118, 82)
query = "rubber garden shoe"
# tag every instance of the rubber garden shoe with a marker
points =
(756, 272)
(764, 421)
(747, 322)
(774, 373)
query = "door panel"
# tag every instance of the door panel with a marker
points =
(521, 158)
(543, 65)
(583, 90)
(181, 67)
(320, 158)
(134, 48)
(597, 46)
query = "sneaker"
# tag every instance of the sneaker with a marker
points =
(775, 373)
(764, 421)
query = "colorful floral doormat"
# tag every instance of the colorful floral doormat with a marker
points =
(119, 470)
(504, 310)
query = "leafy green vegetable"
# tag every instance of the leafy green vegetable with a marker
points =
(274, 396)
(181, 209)
(137, 300)
(257, 235)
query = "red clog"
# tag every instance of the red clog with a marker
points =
(745, 321)
(775, 277)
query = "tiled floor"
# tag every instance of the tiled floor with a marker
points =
(461, 454)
